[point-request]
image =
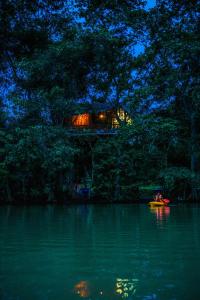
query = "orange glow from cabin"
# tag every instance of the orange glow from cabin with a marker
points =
(81, 120)
(102, 116)
(82, 289)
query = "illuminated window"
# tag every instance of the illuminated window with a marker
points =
(81, 120)
(123, 117)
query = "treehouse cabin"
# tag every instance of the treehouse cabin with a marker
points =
(97, 119)
(101, 120)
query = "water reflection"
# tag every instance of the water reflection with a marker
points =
(82, 289)
(161, 212)
(126, 287)
(121, 287)
(79, 252)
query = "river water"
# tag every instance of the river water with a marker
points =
(100, 252)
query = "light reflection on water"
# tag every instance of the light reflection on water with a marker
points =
(82, 289)
(122, 288)
(126, 287)
(162, 212)
(106, 252)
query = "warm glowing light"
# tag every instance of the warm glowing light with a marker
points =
(82, 289)
(81, 120)
(122, 116)
(102, 116)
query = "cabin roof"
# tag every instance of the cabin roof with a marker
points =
(96, 107)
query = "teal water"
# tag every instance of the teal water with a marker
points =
(99, 252)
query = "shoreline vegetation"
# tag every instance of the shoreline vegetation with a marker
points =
(99, 102)
(92, 202)
(135, 200)
(96, 201)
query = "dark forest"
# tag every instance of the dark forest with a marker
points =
(98, 99)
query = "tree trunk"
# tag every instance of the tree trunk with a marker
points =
(193, 151)
(117, 179)
(8, 191)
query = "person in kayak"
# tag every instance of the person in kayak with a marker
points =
(158, 197)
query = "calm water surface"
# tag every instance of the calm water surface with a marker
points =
(100, 252)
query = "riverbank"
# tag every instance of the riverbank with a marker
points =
(89, 202)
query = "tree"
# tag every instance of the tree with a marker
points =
(37, 165)
(169, 67)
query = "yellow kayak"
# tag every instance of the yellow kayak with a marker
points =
(157, 203)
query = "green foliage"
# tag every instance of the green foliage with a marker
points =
(38, 164)
(133, 157)
(174, 174)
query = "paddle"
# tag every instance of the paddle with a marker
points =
(166, 201)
